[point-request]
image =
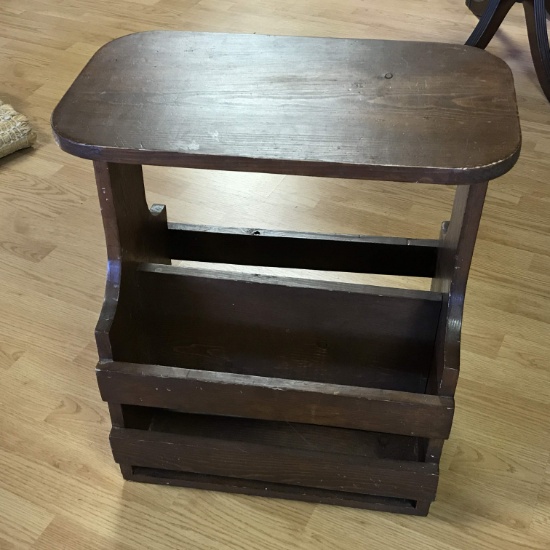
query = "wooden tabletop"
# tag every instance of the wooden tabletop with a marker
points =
(368, 109)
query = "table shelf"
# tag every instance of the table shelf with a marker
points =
(286, 328)
(359, 464)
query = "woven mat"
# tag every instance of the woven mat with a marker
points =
(15, 131)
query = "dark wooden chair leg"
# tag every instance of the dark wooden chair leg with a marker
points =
(493, 12)
(489, 23)
(477, 7)
(535, 15)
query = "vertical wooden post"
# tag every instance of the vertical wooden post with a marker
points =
(133, 234)
(457, 241)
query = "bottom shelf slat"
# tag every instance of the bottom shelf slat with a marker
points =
(264, 452)
(277, 490)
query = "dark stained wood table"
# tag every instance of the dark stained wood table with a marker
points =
(310, 390)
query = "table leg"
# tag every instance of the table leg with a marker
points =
(133, 234)
(457, 238)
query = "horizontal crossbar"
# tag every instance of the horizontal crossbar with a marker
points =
(346, 253)
(229, 394)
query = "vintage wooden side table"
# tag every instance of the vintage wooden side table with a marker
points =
(300, 389)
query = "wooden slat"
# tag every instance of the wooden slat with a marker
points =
(293, 435)
(227, 455)
(224, 277)
(348, 253)
(277, 327)
(276, 399)
(275, 490)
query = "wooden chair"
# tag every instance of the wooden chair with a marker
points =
(492, 14)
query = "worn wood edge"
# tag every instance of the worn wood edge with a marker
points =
(161, 270)
(387, 411)
(276, 384)
(108, 309)
(249, 231)
(404, 174)
(274, 490)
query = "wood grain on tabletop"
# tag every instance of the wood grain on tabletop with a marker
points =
(59, 485)
(360, 109)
